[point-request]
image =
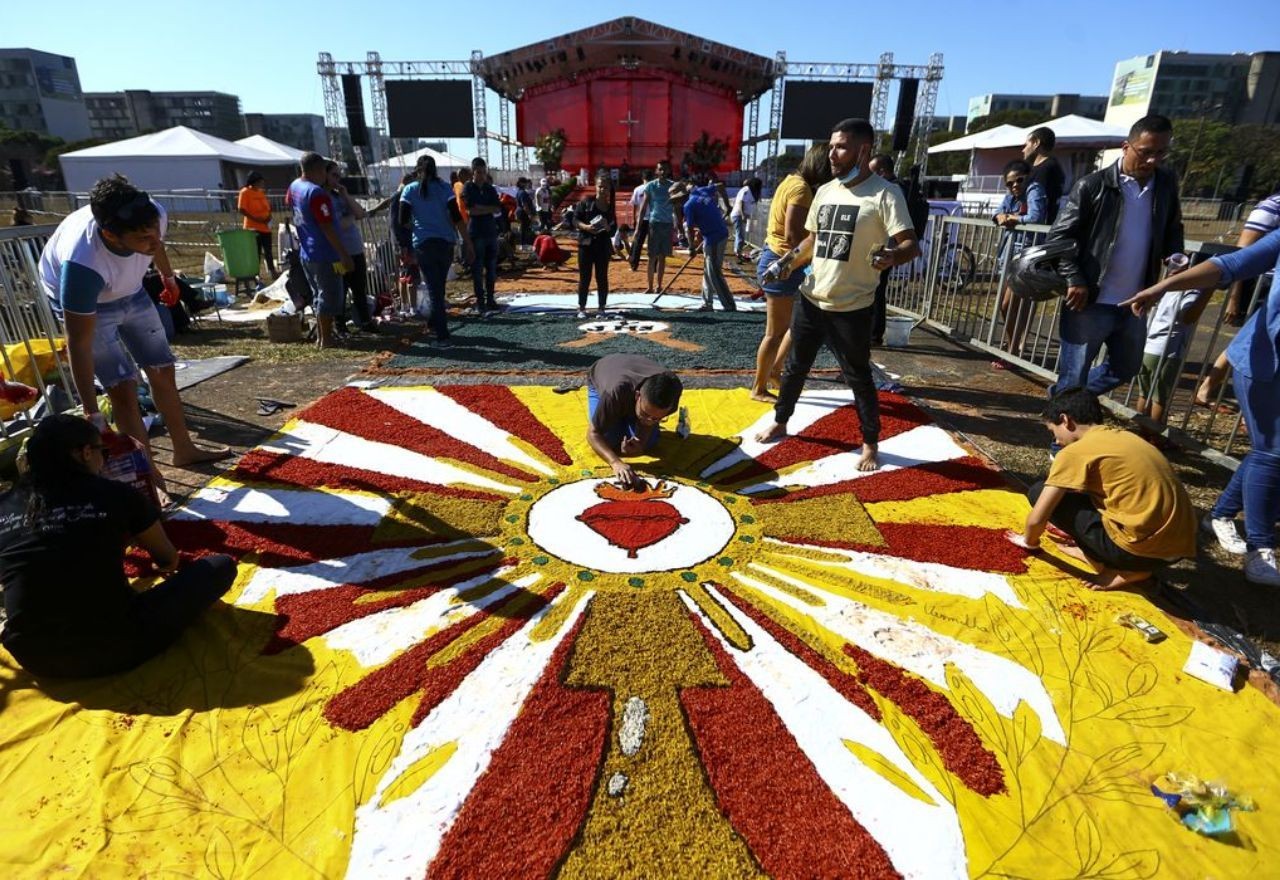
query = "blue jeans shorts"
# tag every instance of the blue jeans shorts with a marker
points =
(326, 285)
(128, 331)
(787, 286)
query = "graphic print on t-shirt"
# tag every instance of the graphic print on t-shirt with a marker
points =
(835, 232)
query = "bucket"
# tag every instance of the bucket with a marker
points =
(897, 331)
(239, 252)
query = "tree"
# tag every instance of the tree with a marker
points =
(1213, 159)
(944, 164)
(706, 153)
(548, 149)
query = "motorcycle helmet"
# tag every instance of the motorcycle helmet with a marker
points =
(1034, 275)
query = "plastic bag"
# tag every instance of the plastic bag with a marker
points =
(214, 271)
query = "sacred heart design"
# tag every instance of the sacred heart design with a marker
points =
(631, 519)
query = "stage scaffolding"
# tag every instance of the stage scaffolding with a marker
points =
(513, 154)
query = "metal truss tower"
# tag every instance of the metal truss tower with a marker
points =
(378, 97)
(880, 94)
(335, 115)
(478, 105)
(775, 117)
(504, 132)
(926, 106)
(753, 132)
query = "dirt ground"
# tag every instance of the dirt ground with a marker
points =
(994, 411)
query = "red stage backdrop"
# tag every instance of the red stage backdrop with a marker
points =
(614, 115)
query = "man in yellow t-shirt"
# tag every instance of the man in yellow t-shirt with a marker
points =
(1113, 493)
(849, 222)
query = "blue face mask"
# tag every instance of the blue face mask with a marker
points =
(851, 176)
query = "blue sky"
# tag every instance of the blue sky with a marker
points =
(265, 52)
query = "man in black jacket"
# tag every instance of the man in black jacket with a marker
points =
(1125, 220)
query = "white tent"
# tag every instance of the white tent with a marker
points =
(176, 158)
(977, 140)
(267, 145)
(1072, 133)
(388, 172)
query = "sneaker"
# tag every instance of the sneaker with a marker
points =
(582, 314)
(1225, 531)
(705, 307)
(442, 344)
(1260, 567)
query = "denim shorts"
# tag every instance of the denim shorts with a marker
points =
(659, 239)
(326, 285)
(127, 332)
(785, 287)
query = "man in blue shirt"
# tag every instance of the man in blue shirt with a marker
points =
(324, 258)
(483, 207)
(702, 212)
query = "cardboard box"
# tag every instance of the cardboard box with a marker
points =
(285, 328)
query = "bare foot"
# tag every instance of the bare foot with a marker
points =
(764, 397)
(200, 455)
(1113, 579)
(870, 459)
(772, 433)
(1074, 552)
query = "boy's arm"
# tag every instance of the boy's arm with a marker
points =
(1038, 518)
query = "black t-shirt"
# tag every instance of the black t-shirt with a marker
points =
(1051, 179)
(484, 225)
(63, 573)
(588, 209)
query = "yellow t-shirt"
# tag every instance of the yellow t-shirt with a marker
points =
(792, 191)
(1144, 508)
(851, 223)
(254, 201)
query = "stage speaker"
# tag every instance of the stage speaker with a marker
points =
(906, 114)
(355, 110)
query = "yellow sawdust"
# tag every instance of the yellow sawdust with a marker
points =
(471, 564)
(559, 612)
(520, 606)
(418, 773)
(439, 515)
(716, 613)
(829, 518)
(834, 577)
(667, 823)
(885, 768)
(987, 508)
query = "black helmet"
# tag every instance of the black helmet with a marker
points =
(1033, 274)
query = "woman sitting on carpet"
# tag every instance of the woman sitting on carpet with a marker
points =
(63, 532)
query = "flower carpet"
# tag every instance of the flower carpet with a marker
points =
(456, 649)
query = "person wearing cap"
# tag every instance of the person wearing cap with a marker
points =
(542, 201)
(253, 205)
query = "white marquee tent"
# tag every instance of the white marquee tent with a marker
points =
(173, 159)
(267, 145)
(388, 172)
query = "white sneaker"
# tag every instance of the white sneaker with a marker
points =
(1260, 567)
(1225, 531)
(582, 314)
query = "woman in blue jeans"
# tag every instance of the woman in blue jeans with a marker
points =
(430, 212)
(1255, 358)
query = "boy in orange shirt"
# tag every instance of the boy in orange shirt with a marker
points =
(255, 207)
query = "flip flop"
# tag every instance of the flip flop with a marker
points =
(268, 406)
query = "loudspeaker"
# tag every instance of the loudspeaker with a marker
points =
(906, 114)
(355, 110)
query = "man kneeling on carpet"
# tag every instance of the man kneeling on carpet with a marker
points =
(63, 532)
(628, 395)
(1112, 493)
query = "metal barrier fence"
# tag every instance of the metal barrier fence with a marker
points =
(29, 331)
(958, 287)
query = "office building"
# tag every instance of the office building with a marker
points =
(40, 92)
(304, 131)
(116, 115)
(1240, 88)
(1051, 106)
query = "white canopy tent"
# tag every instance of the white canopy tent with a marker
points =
(388, 172)
(174, 159)
(977, 140)
(267, 145)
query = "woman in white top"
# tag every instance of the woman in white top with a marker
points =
(744, 205)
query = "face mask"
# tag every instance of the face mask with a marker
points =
(849, 178)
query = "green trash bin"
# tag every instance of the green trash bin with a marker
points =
(239, 252)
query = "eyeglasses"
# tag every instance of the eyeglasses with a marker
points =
(1012, 183)
(647, 419)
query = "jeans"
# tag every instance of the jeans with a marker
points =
(128, 331)
(326, 288)
(880, 308)
(357, 283)
(594, 254)
(784, 287)
(739, 233)
(713, 275)
(486, 259)
(1255, 486)
(154, 620)
(1082, 335)
(848, 335)
(264, 251)
(434, 258)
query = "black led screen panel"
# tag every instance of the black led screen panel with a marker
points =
(810, 109)
(438, 108)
